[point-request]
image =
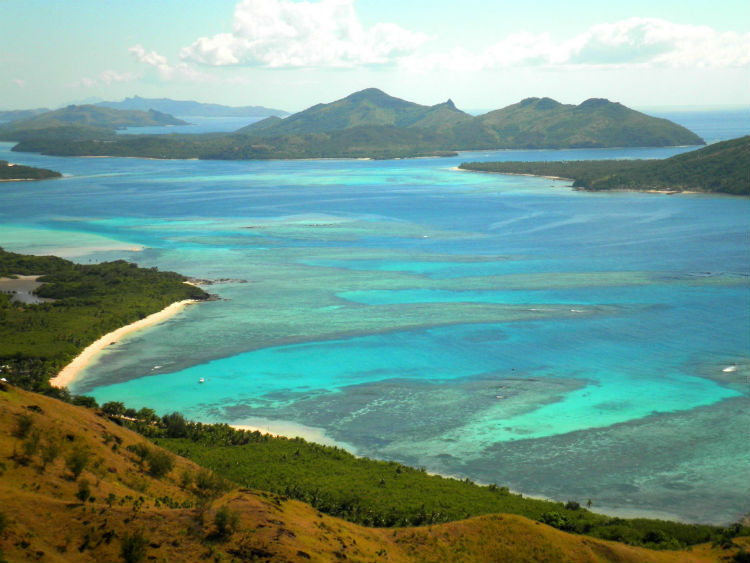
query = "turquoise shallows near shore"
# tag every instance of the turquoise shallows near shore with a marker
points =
(507, 329)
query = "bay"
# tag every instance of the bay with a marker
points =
(507, 329)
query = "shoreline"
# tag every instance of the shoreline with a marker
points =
(70, 372)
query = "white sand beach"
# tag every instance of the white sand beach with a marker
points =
(68, 374)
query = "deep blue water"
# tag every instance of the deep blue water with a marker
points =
(504, 328)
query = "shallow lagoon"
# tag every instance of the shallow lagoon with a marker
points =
(507, 329)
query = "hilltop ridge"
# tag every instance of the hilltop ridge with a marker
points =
(373, 124)
(113, 495)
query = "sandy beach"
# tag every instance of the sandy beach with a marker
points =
(68, 374)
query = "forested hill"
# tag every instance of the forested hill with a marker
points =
(368, 107)
(372, 124)
(87, 116)
(722, 167)
(531, 123)
(597, 122)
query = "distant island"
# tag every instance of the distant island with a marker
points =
(372, 124)
(189, 108)
(14, 172)
(720, 168)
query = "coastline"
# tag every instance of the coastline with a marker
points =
(69, 373)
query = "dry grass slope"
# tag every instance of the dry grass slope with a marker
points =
(48, 518)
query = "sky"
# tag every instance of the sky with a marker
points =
(287, 54)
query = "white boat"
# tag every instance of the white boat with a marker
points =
(201, 380)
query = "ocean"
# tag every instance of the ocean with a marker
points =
(508, 329)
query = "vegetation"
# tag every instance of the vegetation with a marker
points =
(387, 494)
(722, 167)
(36, 341)
(372, 124)
(193, 514)
(19, 172)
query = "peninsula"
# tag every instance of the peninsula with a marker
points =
(722, 167)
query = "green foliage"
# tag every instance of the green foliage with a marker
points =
(133, 546)
(381, 493)
(722, 167)
(114, 408)
(36, 341)
(85, 401)
(159, 463)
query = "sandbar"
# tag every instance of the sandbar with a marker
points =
(68, 374)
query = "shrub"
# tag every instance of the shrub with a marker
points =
(23, 425)
(159, 463)
(77, 460)
(133, 546)
(84, 490)
(226, 521)
(113, 408)
(85, 401)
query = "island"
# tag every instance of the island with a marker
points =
(722, 167)
(15, 172)
(372, 124)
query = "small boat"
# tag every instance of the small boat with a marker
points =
(201, 380)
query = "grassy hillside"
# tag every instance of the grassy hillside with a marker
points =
(77, 487)
(377, 493)
(87, 301)
(722, 167)
(10, 172)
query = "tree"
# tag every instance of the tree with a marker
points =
(176, 425)
(113, 408)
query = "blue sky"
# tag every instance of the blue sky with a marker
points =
(291, 54)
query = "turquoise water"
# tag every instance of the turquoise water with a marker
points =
(507, 329)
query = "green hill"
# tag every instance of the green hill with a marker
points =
(367, 107)
(87, 116)
(372, 124)
(545, 123)
(722, 167)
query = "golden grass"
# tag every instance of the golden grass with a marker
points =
(46, 522)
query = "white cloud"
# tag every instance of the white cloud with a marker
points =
(161, 64)
(20, 82)
(105, 77)
(281, 33)
(645, 42)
